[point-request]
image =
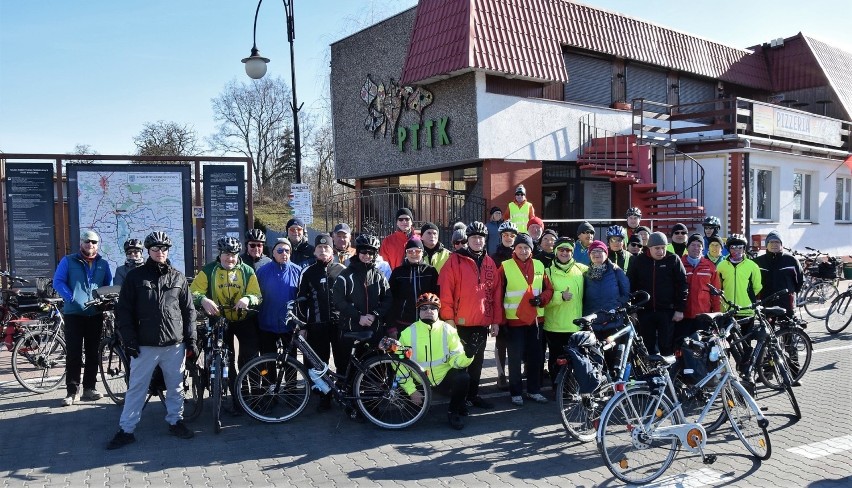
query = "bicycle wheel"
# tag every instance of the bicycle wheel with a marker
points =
(624, 436)
(38, 360)
(782, 375)
(818, 298)
(264, 398)
(114, 369)
(217, 385)
(380, 396)
(796, 347)
(746, 423)
(839, 314)
(193, 385)
(580, 412)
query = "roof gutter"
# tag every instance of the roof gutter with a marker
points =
(762, 140)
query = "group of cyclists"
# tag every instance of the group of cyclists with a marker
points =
(512, 279)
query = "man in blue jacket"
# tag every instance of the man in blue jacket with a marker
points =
(75, 278)
(279, 283)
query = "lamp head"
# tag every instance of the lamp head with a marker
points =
(255, 65)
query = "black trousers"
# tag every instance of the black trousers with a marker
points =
(466, 333)
(80, 330)
(455, 385)
(323, 338)
(556, 341)
(246, 333)
(657, 331)
(525, 347)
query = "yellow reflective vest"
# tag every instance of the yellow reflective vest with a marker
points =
(435, 348)
(516, 286)
(520, 216)
(559, 315)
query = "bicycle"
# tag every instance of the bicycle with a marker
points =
(277, 387)
(209, 371)
(39, 355)
(581, 409)
(840, 310)
(643, 426)
(19, 310)
(768, 359)
(820, 285)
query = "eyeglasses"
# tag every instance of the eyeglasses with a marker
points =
(368, 252)
(456, 243)
(403, 219)
(424, 308)
(738, 246)
(282, 250)
(679, 233)
(158, 249)
(255, 244)
(597, 251)
(414, 250)
(90, 241)
(589, 232)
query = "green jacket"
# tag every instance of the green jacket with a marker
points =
(559, 315)
(437, 349)
(741, 282)
(226, 287)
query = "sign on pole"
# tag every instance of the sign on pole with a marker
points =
(302, 203)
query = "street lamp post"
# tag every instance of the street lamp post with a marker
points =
(256, 68)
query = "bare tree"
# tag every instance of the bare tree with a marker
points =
(255, 119)
(163, 138)
(84, 150)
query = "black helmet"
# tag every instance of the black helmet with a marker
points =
(508, 226)
(712, 221)
(229, 245)
(367, 241)
(736, 240)
(255, 235)
(476, 228)
(135, 244)
(157, 238)
(633, 211)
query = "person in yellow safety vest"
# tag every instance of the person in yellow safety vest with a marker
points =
(436, 347)
(527, 291)
(520, 211)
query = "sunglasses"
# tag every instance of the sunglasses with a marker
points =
(424, 308)
(564, 249)
(255, 244)
(633, 244)
(456, 243)
(158, 249)
(736, 247)
(133, 251)
(589, 232)
(367, 252)
(679, 233)
(282, 250)
(90, 241)
(403, 219)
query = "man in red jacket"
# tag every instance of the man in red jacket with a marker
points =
(392, 249)
(700, 272)
(470, 294)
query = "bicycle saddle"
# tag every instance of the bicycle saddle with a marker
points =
(359, 336)
(656, 359)
(774, 311)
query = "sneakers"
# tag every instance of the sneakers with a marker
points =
(121, 439)
(456, 421)
(502, 383)
(91, 394)
(181, 430)
(69, 400)
(537, 397)
(518, 400)
(479, 402)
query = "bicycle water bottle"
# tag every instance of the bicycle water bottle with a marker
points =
(319, 383)
(714, 354)
(224, 371)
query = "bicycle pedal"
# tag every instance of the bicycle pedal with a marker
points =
(709, 459)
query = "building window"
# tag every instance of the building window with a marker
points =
(842, 205)
(762, 198)
(802, 197)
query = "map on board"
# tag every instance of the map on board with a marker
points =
(121, 205)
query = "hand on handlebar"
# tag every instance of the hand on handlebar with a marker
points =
(242, 304)
(417, 398)
(210, 307)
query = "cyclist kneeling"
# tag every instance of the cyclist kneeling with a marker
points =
(436, 347)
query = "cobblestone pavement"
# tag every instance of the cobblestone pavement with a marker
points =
(42, 444)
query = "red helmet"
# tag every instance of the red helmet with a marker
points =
(428, 299)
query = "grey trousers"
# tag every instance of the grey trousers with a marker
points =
(170, 359)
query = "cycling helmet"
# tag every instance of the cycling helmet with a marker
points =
(615, 231)
(736, 240)
(230, 245)
(508, 226)
(366, 241)
(476, 228)
(157, 238)
(134, 244)
(634, 211)
(712, 221)
(255, 235)
(428, 299)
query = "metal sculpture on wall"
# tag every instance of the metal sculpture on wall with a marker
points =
(385, 104)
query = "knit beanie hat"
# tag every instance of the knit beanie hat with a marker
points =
(404, 211)
(597, 245)
(679, 227)
(414, 243)
(584, 227)
(695, 237)
(564, 242)
(657, 239)
(428, 226)
(523, 238)
(773, 236)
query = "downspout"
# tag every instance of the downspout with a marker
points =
(746, 176)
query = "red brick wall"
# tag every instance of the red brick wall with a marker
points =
(500, 178)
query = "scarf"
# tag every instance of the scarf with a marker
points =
(596, 271)
(693, 261)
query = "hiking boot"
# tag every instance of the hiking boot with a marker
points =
(479, 402)
(69, 400)
(456, 421)
(537, 397)
(121, 439)
(181, 430)
(91, 394)
(518, 400)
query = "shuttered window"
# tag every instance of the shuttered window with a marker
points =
(693, 91)
(589, 80)
(643, 82)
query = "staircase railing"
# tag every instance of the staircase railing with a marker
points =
(674, 170)
(614, 143)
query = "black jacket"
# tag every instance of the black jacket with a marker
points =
(778, 271)
(155, 307)
(303, 255)
(316, 285)
(664, 280)
(407, 282)
(361, 289)
(503, 253)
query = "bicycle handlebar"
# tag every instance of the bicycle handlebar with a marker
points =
(13, 278)
(733, 307)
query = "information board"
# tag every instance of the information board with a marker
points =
(30, 213)
(224, 205)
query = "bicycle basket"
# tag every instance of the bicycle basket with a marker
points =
(695, 357)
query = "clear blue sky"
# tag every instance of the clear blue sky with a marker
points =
(94, 71)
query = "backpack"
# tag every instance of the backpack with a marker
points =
(586, 361)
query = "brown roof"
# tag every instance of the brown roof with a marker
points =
(525, 38)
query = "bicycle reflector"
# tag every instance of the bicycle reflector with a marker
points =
(561, 361)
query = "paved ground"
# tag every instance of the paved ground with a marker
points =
(42, 444)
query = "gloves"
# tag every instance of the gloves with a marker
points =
(131, 351)
(474, 345)
(470, 350)
(535, 301)
(191, 353)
